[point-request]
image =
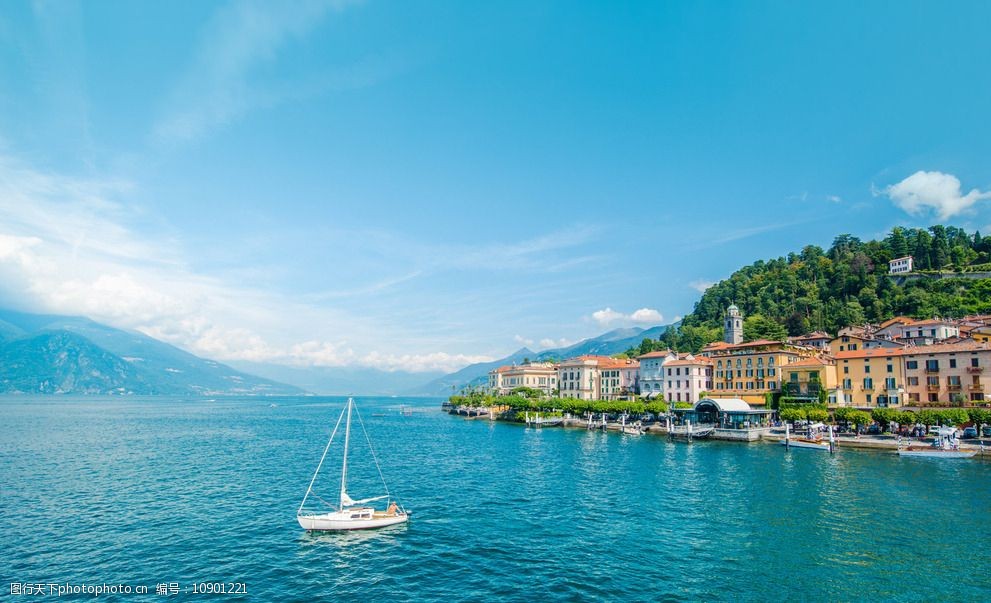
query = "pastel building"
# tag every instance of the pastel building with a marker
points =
(535, 375)
(919, 332)
(652, 372)
(618, 378)
(872, 378)
(805, 380)
(598, 377)
(947, 373)
(819, 340)
(750, 370)
(900, 265)
(688, 378)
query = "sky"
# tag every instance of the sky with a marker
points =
(417, 186)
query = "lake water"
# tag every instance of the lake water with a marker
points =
(158, 491)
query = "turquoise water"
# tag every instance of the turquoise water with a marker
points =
(149, 491)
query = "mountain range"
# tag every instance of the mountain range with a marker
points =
(48, 354)
(613, 342)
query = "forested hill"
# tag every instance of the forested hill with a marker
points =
(848, 284)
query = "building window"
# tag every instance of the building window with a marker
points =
(912, 364)
(953, 363)
(934, 397)
(913, 380)
(974, 362)
(891, 368)
(846, 370)
(867, 369)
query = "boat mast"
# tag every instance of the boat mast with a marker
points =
(344, 467)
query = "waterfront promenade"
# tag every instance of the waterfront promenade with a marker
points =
(774, 435)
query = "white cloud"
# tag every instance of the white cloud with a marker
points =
(547, 343)
(701, 285)
(421, 363)
(646, 316)
(522, 340)
(834, 198)
(935, 191)
(608, 316)
(67, 248)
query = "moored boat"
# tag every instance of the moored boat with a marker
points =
(944, 446)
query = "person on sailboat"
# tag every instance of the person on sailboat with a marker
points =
(392, 509)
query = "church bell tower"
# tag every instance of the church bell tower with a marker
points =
(733, 325)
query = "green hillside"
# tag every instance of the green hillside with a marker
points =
(848, 284)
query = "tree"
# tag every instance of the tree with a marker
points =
(759, 327)
(792, 414)
(859, 418)
(819, 415)
(897, 243)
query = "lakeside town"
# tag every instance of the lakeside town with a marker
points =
(898, 379)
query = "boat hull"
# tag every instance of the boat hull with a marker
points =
(806, 444)
(339, 522)
(944, 454)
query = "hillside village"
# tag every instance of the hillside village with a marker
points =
(898, 363)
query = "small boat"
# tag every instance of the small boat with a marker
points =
(350, 514)
(812, 441)
(946, 445)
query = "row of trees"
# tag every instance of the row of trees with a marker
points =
(847, 284)
(885, 416)
(520, 401)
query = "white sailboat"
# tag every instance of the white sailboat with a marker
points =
(350, 514)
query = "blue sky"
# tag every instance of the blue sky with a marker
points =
(417, 185)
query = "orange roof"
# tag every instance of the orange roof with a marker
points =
(656, 354)
(872, 353)
(931, 321)
(897, 320)
(689, 362)
(965, 345)
(618, 363)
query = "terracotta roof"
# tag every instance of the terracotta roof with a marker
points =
(966, 345)
(689, 362)
(873, 353)
(612, 363)
(931, 321)
(904, 320)
(656, 354)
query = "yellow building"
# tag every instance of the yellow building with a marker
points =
(871, 378)
(750, 370)
(804, 379)
(982, 334)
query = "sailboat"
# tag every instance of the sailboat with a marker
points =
(350, 514)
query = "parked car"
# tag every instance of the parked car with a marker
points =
(986, 431)
(969, 433)
(874, 429)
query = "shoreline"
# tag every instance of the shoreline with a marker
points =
(862, 442)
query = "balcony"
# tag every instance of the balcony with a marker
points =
(932, 369)
(975, 387)
(975, 369)
(932, 388)
(954, 387)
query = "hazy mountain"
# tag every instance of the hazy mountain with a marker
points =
(71, 355)
(340, 380)
(613, 342)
